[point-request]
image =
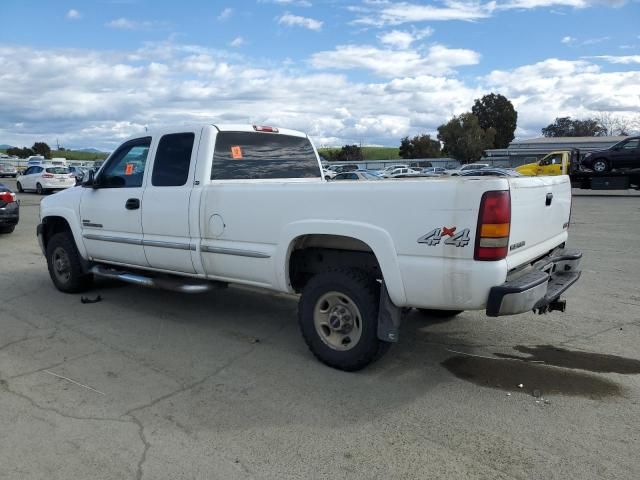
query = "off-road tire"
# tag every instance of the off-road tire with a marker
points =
(364, 292)
(77, 281)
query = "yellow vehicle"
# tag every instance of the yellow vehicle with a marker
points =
(554, 163)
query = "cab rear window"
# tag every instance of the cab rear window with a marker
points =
(253, 155)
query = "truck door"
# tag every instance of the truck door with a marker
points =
(110, 213)
(629, 155)
(166, 222)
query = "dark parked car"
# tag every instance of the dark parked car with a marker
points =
(624, 154)
(9, 210)
(359, 175)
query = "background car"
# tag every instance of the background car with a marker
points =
(468, 166)
(79, 173)
(328, 174)
(9, 210)
(8, 170)
(624, 154)
(436, 170)
(490, 171)
(45, 178)
(391, 168)
(401, 172)
(358, 175)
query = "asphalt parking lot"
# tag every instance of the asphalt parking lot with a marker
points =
(160, 385)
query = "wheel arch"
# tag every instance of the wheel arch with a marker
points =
(343, 242)
(57, 222)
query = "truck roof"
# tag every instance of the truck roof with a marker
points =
(221, 127)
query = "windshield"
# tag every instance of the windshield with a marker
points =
(57, 170)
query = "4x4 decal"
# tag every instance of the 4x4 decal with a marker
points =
(434, 237)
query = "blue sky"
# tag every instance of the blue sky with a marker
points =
(93, 72)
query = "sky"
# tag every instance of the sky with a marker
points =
(89, 73)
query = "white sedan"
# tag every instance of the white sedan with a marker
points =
(43, 178)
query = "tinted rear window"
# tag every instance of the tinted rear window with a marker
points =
(57, 170)
(249, 155)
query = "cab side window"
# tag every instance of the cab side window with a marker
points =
(171, 166)
(631, 144)
(126, 167)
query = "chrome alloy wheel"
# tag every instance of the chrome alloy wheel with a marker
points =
(338, 321)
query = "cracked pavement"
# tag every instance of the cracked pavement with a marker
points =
(148, 384)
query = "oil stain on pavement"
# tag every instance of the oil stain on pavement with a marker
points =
(547, 369)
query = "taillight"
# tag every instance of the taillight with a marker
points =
(494, 223)
(262, 128)
(47, 175)
(7, 197)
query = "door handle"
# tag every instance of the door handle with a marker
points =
(549, 199)
(132, 204)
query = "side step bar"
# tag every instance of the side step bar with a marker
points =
(165, 283)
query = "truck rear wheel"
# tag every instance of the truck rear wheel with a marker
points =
(64, 264)
(338, 317)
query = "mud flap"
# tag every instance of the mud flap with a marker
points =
(388, 317)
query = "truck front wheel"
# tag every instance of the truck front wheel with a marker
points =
(338, 316)
(65, 267)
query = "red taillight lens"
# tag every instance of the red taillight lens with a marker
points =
(262, 128)
(47, 175)
(7, 197)
(494, 224)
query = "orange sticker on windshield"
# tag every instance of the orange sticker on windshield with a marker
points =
(129, 169)
(236, 153)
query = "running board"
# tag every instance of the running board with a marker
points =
(165, 283)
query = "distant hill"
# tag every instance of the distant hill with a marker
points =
(5, 146)
(90, 150)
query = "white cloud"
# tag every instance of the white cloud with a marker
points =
(437, 60)
(403, 39)
(128, 24)
(298, 21)
(96, 98)
(380, 13)
(568, 40)
(73, 14)
(620, 59)
(294, 3)
(225, 14)
(237, 42)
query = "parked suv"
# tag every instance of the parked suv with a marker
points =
(624, 154)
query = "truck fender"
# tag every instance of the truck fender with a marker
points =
(376, 238)
(72, 220)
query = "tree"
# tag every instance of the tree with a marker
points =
(41, 148)
(20, 152)
(464, 139)
(420, 146)
(613, 125)
(566, 127)
(348, 153)
(497, 112)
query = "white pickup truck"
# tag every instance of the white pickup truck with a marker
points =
(195, 208)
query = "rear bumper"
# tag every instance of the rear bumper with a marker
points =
(9, 214)
(539, 288)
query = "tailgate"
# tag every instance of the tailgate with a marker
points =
(540, 209)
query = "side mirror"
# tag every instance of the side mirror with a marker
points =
(90, 181)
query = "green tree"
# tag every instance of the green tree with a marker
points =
(41, 148)
(348, 153)
(566, 127)
(420, 146)
(20, 152)
(464, 139)
(497, 112)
